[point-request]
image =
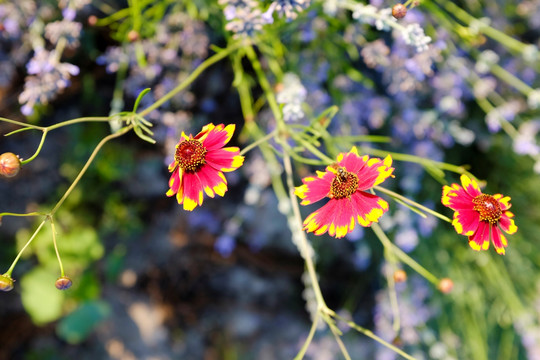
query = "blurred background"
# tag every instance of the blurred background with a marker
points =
(152, 281)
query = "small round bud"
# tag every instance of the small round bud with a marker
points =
(6, 283)
(400, 276)
(63, 283)
(399, 11)
(92, 20)
(446, 285)
(10, 164)
(133, 36)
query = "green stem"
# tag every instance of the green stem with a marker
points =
(371, 335)
(265, 85)
(19, 214)
(342, 347)
(309, 338)
(493, 33)
(56, 248)
(79, 120)
(258, 142)
(88, 162)
(413, 203)
(10, 270)
(184, 84)
(38, 150)
(21, 124)
(403, 256)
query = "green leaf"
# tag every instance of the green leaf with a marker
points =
(40, 298)
(78, 325)
(139, 98)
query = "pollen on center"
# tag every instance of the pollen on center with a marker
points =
(190, 155)
(488, 207)
(343, 185)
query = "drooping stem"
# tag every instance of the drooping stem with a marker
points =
(53, 229)
(10, 270)
(85, 167)
(309, 338)
(371, 335)
(403, 256)
(184, 84)
(38, 150)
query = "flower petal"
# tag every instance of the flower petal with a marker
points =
(470, 186)
(480, 239)
(193, 191)
(213, 181)
(226, 159)
(368, 207)
(217, 136)
(498, 239)
(507, 224)
(466, 222)
(175, 182)
(336, 217)
(314, 188)
(456, 198)
(504, 201)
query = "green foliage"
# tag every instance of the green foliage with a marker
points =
(75, 327)
(40, 298)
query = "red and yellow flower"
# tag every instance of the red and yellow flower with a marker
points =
(345, 184)
(199, 164)
(479, 216)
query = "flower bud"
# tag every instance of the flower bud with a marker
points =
(400, 276)
(10, 164)
(92, 20)
(63, 283)
(6, 283)
(446, 285)
(399, 11)
(132, 36)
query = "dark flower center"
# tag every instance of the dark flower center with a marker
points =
(488, 207)
(343, 185)
(190, 155)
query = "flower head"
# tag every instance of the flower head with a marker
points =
(344, 183)
(479, 216)
(199, 163)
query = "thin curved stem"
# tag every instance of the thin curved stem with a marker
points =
(403, 256)
(38, 150)
(88, 162)
(411, 202)
(309, 338)
(371, 335)
(22, 214)
(258, 142)
(56, 248)
(10, 270)
(184, 84)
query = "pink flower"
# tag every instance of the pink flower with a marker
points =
(345, 184)
(479, 216)
(199, 164)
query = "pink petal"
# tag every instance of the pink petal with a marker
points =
(218, 136)
(193, 191)
(315, 188)
(368, 208)
(466, 222)
(499, 241)
(212, 181)
(336, 218)
(226, 159)
(480, 239)
(174, 182)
